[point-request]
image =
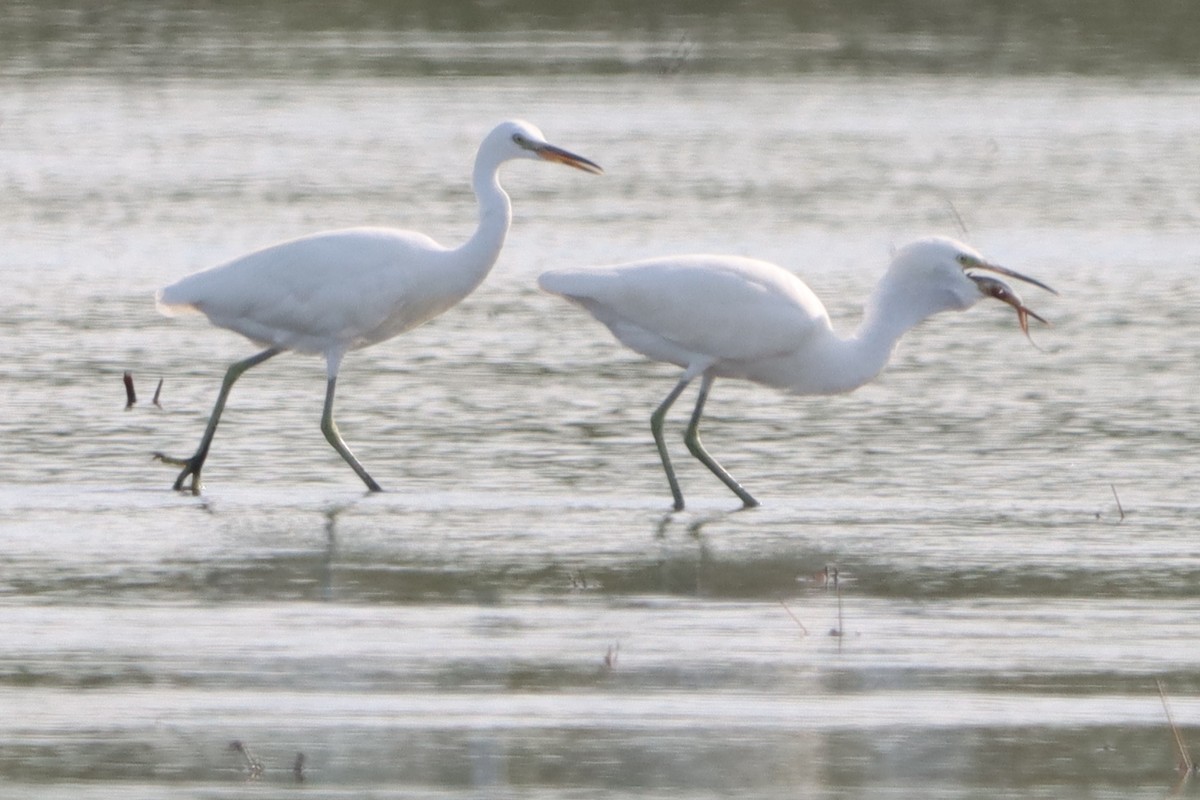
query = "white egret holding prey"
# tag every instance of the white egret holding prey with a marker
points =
(330, 293)
(733, 317)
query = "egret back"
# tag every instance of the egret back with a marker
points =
(698, 307)
(342, 289)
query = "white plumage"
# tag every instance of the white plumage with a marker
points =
(732, 317)
(330, 293)
(651, 306)
(340, 290)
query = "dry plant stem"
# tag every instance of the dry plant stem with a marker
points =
(962, 226)
(1185, 759)
(254, 767)
(610, 658)
(1120, 510)
(793, 616)
(841, 625)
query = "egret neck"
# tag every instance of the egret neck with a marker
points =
(475, 258)
(892, 311)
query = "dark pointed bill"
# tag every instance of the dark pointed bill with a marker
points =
(556, 154)
(994, 287)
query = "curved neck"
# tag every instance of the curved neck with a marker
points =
(890, 313)
(855, 360)
(478, 254)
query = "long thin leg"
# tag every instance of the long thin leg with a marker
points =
(656, 427)
(329, 428)
(692, 438)
(191, 466)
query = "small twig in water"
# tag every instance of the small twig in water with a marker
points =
(1120, 510)
(254, 767)
(962, 226)
(610, 658)
(1185, 759)
(795, 619)
(130, 394)
(840, 630)
(157, 392)
(298, 768)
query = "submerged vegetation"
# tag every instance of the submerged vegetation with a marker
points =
(508, 36)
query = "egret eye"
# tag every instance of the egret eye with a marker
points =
(520, 140)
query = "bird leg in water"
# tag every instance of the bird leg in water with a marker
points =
(656, 427)
(994, 287)
(329, 428)
(692, 438)
(191, 466)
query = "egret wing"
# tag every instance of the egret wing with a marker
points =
(300, 294)
(722, 307)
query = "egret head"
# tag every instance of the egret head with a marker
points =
(940, 274)
(519, 139)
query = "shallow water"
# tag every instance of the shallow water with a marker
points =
(1011, 527)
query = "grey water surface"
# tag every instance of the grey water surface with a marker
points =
(519, 615)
